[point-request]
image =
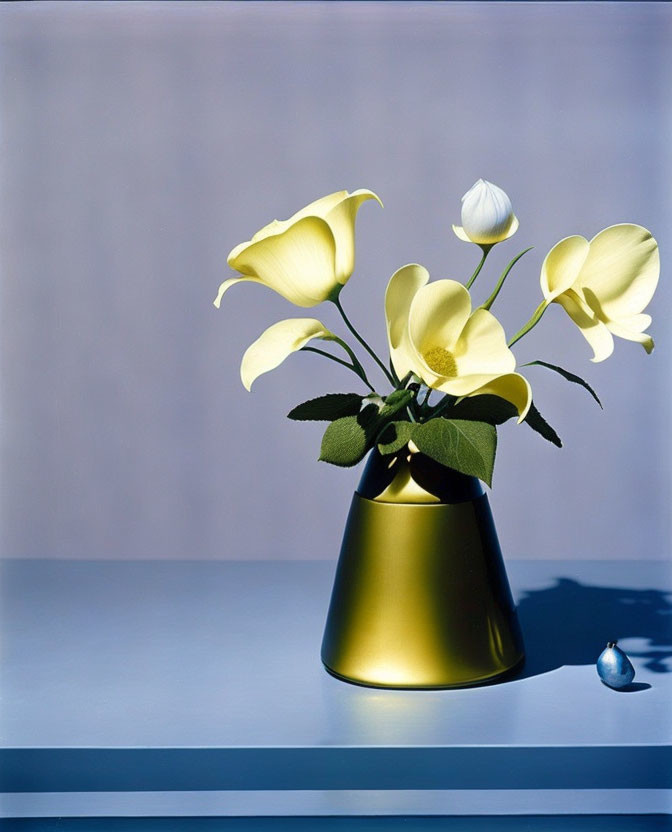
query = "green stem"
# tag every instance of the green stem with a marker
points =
(403, 383)
(397, 381)
(355, 361)
(534, 320)
(501, 280)
(362, 374)
(486, 251)
(336, 301)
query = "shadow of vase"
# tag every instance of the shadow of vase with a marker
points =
(570, 623)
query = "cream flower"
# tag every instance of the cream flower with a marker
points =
(277, 343)
(433, 333)
(604, 285)
(487, 215)
(307, 258)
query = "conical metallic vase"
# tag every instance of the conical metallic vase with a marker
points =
(421, 598)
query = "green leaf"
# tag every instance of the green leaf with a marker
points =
(395, 436)
(487, 408)
(468, 447)
(537, 422)
(566, 374)
(347, 440)
(351, 433)
(327, 408)
(395, 402)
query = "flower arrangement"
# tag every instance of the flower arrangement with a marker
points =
(439, 341)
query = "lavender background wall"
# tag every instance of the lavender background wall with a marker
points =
(140, 142)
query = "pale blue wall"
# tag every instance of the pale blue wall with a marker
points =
(140, 142)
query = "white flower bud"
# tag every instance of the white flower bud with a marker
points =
(487, 214)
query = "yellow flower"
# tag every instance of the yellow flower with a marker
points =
(433, 333)
(604, 285)
(487, 215)
(309, 257)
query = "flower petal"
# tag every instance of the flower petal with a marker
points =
(635, 323)
(622, 331)
(438, 314)
(462, 385)
(341, 219)
(228, 283)
(462, 234)
(562, 265)
(621, 271)
(513, 387)
(510, 386)
(512, 228)
(298, 263)
(320, 207)
(481, 348)
(317, 208)
(401, 290)
(592, 329)
(278, 342)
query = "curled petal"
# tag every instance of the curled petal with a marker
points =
(298, 263)
(319, 207)
(402, 288)
(481, 347)
(513, 387)
(510, 386)
(621, 271)
(622, 331)
(228, 283)
(438, 314)
(278, 342)
(341, 219)
(635, 323)
(592, 328)
(462, 386)
(562, 265)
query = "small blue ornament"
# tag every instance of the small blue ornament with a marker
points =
(614, 667)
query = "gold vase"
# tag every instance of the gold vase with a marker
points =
(421, 598)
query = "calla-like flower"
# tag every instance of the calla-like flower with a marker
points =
(307, 258)
(433, 333)
(277, 343)
(604, 285)
(487, 215)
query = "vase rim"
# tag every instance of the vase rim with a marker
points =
(414, 478)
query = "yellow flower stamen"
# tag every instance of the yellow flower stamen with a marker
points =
(441, 361)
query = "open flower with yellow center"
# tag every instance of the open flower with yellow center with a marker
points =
(433, 333)
(604, 285)
(309, 257)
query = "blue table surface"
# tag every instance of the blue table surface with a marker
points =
(209, 658)
(543, 823)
